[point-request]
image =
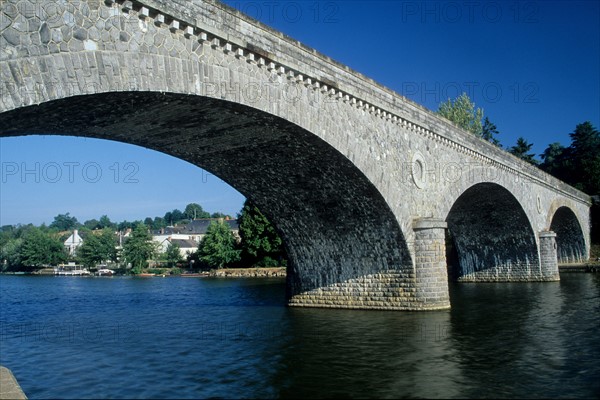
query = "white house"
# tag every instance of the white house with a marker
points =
(163, 241)
(186, 246)
(186, 235)
(73, 242)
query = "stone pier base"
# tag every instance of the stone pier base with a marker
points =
(430, 264)
(549, 256)
(389, 290)
(9, 387)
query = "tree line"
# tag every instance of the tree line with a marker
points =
(66, 222)
(28, 247)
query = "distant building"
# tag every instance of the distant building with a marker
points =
(73, 242)
(197, 228)
(192, 232)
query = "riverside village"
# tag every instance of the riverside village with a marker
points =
(177, 244)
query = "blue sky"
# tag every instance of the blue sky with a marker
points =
(533, 66)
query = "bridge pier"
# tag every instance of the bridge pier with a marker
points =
(431, 274)
(548, 256)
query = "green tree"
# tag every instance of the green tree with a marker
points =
(91, 223)
(463, 113)
(194, 211)
(174, 216)
(489, 132)
(64, 222)
(10, 255)
(218, 215)
(555, 159)
(124, 225)
(96, 249)
(218, 246)
(578, 164)
(261, 244)
(137, 222)
(105, 222)
(521, 150)
(177, 216)
(168, 218)
(173, 255)
(7, 229)
(158, 223)
(40, 249)
(585, 157)
(138, 248)
(7, 232)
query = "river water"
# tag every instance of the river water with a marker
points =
(123, 337)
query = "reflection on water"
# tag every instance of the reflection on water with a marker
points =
(342, 353)
(69, 337)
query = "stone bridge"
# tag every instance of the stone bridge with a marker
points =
(371, 192)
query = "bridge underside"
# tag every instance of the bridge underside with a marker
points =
(345, 246)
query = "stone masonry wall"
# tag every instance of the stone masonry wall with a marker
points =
(548, 259)
(430, 263)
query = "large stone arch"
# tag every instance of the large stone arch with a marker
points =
(337, 227)
(492, 236)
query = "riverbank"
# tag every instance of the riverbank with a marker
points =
(279, 272)
(248, 273)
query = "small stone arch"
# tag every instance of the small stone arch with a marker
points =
(570, 241)
(491, 237)
(558, 203)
